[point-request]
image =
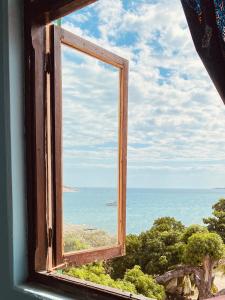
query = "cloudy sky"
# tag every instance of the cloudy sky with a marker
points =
(176, 117)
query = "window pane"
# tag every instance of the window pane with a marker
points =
(90, 91)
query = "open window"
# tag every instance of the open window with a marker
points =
(88, 118)
(61, 146)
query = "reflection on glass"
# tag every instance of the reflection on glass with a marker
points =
(90, 145)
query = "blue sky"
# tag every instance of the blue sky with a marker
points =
(176, 118)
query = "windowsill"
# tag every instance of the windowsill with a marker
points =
(42, 292)
(56, 286)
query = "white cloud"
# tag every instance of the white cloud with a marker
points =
(171, 118)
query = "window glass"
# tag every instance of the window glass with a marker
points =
(90, 104)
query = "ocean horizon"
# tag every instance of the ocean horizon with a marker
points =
(96, 208)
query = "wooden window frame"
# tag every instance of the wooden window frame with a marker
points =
(38, 14)
(60, 37)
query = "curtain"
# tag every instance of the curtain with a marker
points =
(206, 21)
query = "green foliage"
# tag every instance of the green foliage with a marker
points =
(155, 250)
(72, 244)
(217, 222)
(144, 284)
(167, 224)
(201, 245)
(189, 231)
(160, 246)
(167, 244)
(97, 274)
(78, 237)
(134, 281)
(159, 251)
(119, 265)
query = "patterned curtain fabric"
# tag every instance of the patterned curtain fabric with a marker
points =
(206, 21)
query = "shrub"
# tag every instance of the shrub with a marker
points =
(144, 284)
(134, 281)
(96, 273)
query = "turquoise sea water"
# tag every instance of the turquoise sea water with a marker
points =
(96, 207)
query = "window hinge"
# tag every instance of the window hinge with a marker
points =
(48, 63)
(50, 237)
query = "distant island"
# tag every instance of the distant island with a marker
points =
(69, 189)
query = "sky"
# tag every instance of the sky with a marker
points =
(176, 119)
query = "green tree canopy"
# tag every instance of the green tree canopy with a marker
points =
(201, 245)
(189, 231)
(118, 266)
(217, 222)
(167, 224)
(155, 250)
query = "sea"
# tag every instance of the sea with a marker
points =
(96, 208)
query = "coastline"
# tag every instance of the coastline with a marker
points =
(78, 237)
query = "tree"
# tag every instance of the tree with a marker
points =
(201, 253)
(159, 251)
(189, 231)
(205, 250)
(167, 224)
(217, 223)
(161, 246)
(119, 265)
(155, 250)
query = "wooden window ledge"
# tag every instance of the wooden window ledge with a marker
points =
(74, 288)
